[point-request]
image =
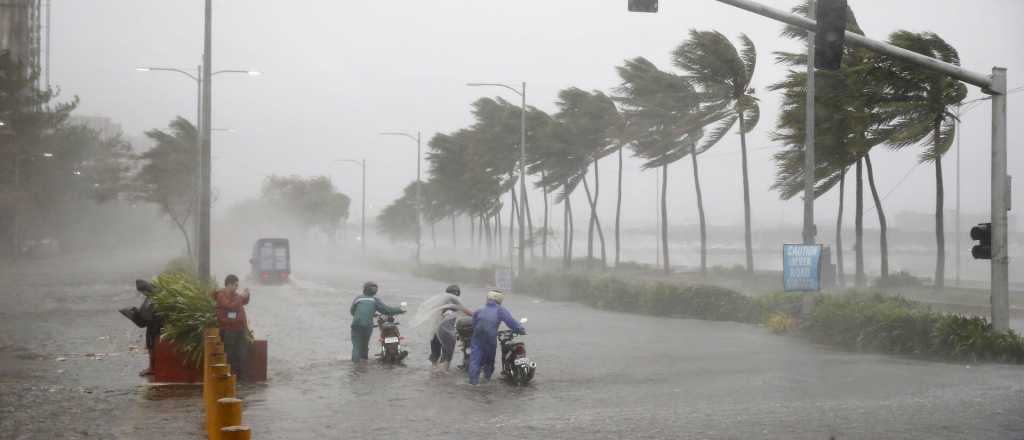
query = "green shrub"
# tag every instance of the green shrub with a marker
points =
(898, 279)
(186, 308)
(860, 321)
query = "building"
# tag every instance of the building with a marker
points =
(21, 30)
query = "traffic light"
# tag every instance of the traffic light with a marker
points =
(643, 5)
(831, 34)
(983, 235)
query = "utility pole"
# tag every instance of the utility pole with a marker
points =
(204, 166)
(809, 229)
(419, 200)
(362, 211)
(522, 183)
(957, 235)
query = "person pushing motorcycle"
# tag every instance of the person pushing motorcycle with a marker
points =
(362, 310)
(484, 343)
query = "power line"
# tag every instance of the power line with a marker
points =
(898, 184)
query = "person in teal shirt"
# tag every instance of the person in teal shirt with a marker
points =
(363, 308)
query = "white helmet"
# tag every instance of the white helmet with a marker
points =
(496, 295)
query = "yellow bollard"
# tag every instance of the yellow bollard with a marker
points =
(217, 365)
(223, 385)
(211, 346)
(229, 412)
(236, 433)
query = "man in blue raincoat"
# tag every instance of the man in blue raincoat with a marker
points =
(362, 310)
(485, 335)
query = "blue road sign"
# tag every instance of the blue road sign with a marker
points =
(801, 267)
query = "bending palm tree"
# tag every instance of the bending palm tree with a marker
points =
(918, 108)
(723, 75)
(664, 124)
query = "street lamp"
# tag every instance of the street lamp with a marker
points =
(419, 190)
(522, 166)
(362, 164)
(202, 252)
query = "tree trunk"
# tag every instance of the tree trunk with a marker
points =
(525, 204)
(841, 275)
(700, 213)
(940, 229)
(497, 233)
(472, 233)
(590, 224)
(860, 279)
(883, 226)
(544, 238)
(664, 219)
(455, 242)
(565, 232)
(597, 219)
(512, 214)
(746, 198)
(572, 231)
(618, 211)
(433, 234)
(184, 233)
(490, 242)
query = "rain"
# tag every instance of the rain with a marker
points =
(714, 219)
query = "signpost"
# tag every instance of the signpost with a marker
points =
(503, 279)
(801, 267)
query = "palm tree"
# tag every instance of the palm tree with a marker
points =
(723, 75)
(561, 161)
(588, 118)
(664, 124)
(846, 129)
(918, 108)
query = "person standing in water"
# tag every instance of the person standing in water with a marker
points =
(234, 329)
(362, 310)
(485, 335)
(437, 315)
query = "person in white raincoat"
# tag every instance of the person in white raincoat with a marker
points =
(436, 317)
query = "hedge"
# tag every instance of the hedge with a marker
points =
(860, 321)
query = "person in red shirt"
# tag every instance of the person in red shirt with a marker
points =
(234, 330)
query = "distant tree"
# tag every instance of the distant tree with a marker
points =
(398, 220)
(314, 201)
(168, 174)
(28, 117)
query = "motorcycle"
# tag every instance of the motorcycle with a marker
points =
(391, 349)
(463, 335)
(515, 366)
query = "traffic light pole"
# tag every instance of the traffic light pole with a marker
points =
(1000, 296)
(995, 85)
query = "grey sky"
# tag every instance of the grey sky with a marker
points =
(338, 72)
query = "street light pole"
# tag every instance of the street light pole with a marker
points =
(522, 167)
(362, 164)
(199, 125)
(419, 184)
(205, 147)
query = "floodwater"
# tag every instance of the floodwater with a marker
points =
(600, 375)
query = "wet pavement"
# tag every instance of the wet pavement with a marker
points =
(600, 375)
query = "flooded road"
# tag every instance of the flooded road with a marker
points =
(600, 375)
